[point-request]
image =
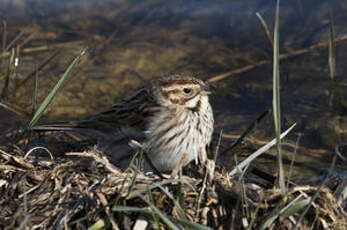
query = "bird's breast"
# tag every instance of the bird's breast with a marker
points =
(172, 134)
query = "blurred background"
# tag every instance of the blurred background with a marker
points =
(130, 42)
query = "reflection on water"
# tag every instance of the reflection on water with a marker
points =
(132, 41)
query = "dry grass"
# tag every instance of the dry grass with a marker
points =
(81, 189)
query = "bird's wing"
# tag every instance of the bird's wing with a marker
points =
(128, 118)
(134, 112)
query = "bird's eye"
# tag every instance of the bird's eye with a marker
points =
(187, 90)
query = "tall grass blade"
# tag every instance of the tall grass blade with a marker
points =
(276, 100)
(332, 67)
(55, 90)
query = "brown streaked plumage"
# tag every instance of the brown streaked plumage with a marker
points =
(169, 117)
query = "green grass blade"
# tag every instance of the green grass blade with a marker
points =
(255, 215)
(278, 211)
(296, 207)
(138, 192)
(176, 203)
(192, 225)
(100, 224)
(155, 214)
(276, 100)
(162, 216)
(268, 222)
(149, 212)
(130, 209)
(133, 178)
(55, 90)
(248, 160)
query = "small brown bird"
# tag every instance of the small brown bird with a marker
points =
(170, 118)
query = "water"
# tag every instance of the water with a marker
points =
(132, 41)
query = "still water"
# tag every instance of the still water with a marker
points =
(130, 42)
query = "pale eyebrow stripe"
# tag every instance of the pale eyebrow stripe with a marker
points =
(171, 88)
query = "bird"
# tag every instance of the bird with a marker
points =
(170, 118)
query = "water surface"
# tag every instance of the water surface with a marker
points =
(131, 42)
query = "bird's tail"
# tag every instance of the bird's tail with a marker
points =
(92, 127)
(58, 126)
(84, 126)
(111, 140)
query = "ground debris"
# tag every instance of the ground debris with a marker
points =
(83, 189)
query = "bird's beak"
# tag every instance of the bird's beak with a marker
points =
(207, 89)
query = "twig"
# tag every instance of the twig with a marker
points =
(293, 160)
(40, 67)
(15, 109)
(290, 54)
(249, 129)
(36, 148)
(98, 158)
(256, 141)
(41, 48)
(218, 145)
